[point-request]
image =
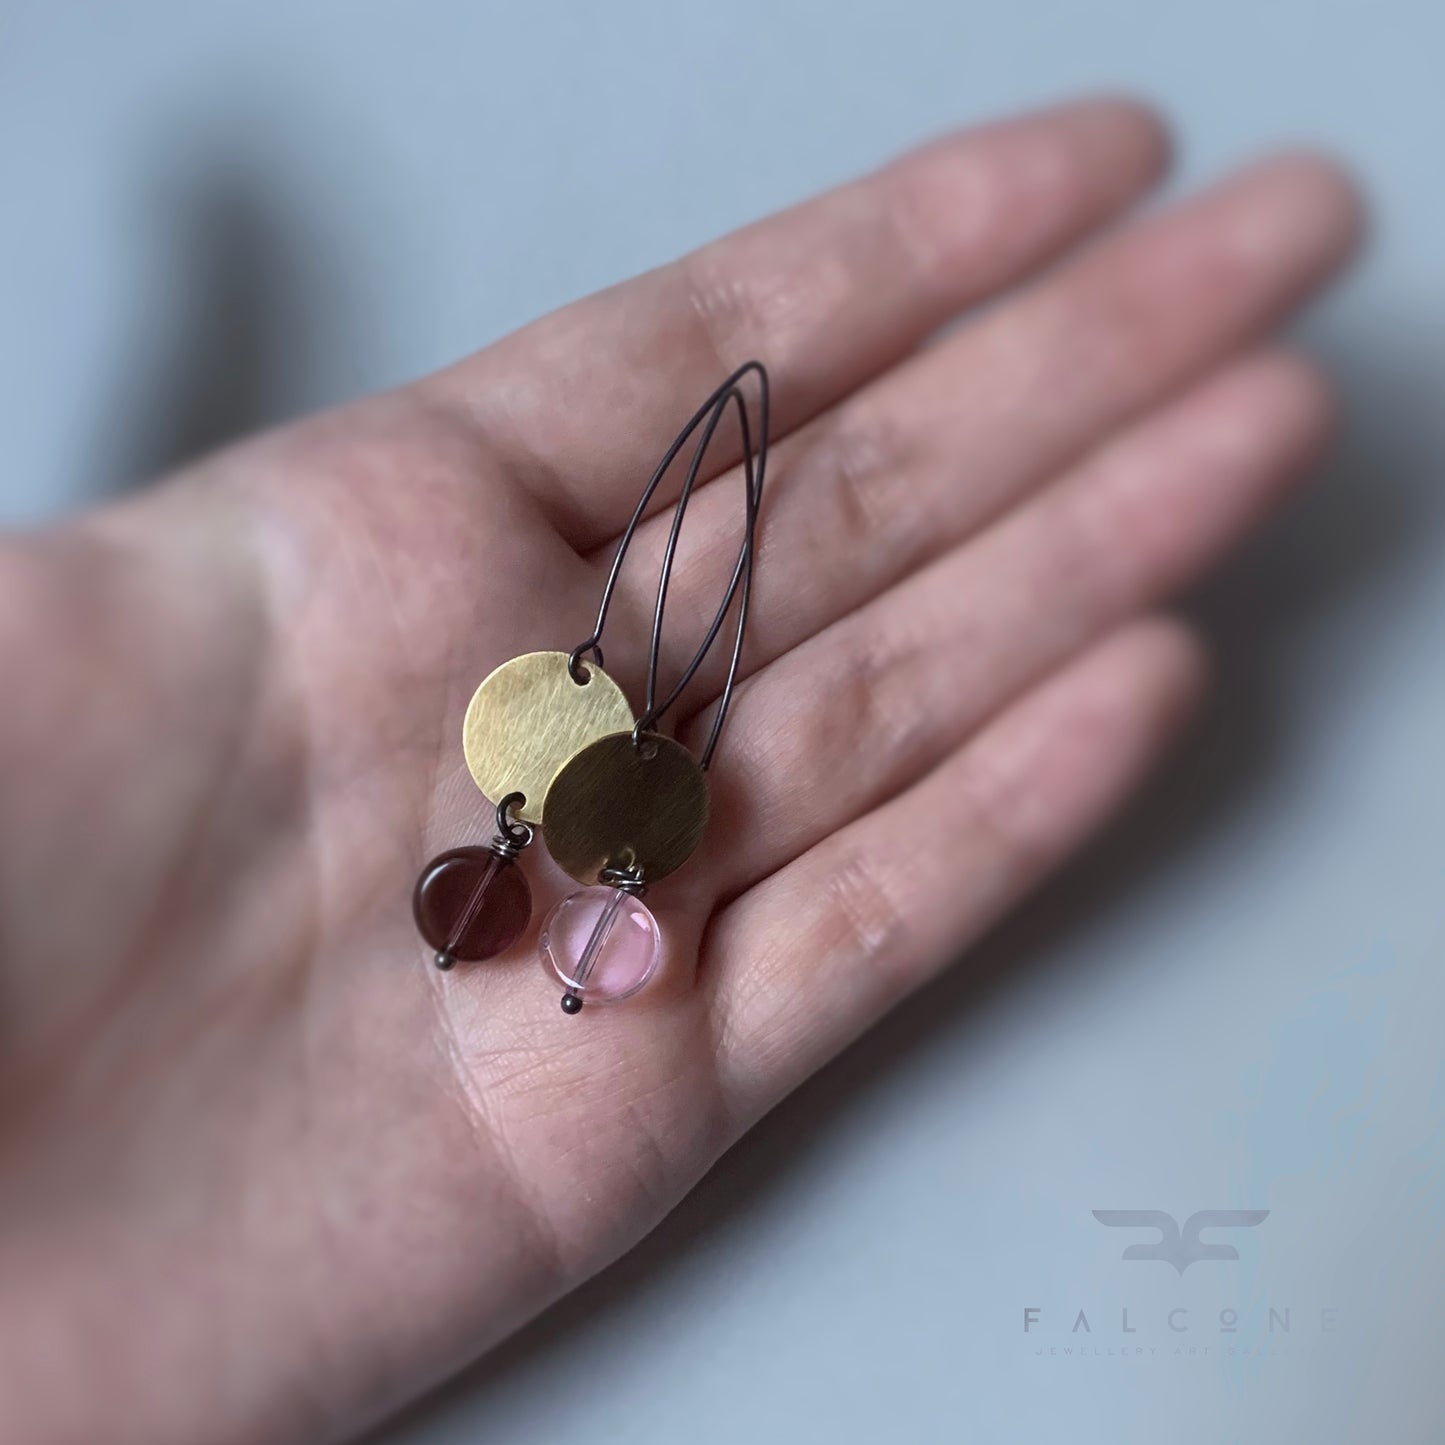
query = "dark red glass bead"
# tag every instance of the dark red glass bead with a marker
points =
(471, 903)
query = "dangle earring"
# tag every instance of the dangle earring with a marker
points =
(633, 803)
(628, 808)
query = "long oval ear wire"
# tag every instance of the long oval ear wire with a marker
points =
(754, 473)
(711, 412)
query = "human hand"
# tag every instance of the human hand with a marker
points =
(267, 1173)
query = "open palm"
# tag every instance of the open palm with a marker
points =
(266, 1172)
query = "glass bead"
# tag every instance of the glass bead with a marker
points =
(471, 903)
(602, 944)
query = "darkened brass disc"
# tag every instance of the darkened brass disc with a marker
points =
(528, 717)
(622, 804)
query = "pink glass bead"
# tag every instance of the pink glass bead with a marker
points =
(602, 944)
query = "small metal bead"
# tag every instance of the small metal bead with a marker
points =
(571, 1004)
(445, 960)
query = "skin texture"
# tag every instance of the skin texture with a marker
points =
(266, 1173)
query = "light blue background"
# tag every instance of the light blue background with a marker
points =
(221, 214)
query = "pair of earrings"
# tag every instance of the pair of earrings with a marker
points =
(551, 738)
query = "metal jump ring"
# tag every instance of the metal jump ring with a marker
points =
(512, 834)
(574, 659)
(626, 880)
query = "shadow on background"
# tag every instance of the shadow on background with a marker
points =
(1364, 520)
(244, 295)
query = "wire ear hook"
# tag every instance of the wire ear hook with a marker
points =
(711, 412)
(742, 574)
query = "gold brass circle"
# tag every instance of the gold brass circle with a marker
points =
(622, 804)
(528, 717)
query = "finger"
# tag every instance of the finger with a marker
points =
(918, 461)
(862, 710)
(806, 961)
(585, 401)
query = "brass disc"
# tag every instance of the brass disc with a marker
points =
(528, 717)
(622, 804)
